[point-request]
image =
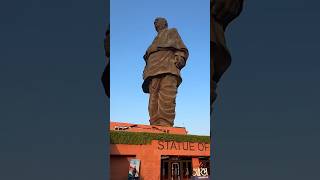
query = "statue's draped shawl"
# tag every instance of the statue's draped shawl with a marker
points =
(160, 55)
(167, 39)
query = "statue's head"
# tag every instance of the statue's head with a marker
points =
(160, 23)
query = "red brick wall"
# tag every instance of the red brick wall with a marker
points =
(150, 155)
(119, 168)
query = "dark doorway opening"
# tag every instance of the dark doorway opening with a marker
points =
(176, 168)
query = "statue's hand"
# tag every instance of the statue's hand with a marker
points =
(179, 62)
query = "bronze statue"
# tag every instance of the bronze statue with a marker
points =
(106, 73)
(164, 58)
(222, 12)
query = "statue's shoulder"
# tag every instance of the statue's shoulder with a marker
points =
(174, 30)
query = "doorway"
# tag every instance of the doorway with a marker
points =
(176, 168)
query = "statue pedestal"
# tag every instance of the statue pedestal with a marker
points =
(163, 152)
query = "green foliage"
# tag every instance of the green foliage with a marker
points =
(123, 137)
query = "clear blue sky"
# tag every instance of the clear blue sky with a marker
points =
(132, 32)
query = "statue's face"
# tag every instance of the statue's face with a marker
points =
(160, 24)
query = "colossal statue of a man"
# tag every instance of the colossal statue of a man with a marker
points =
(164, 58)
(222, 13)
(106, 73)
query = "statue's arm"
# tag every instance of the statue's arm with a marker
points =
(181, 53)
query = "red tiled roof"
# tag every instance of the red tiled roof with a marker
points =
(146, 128)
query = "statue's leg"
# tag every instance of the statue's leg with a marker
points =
(153, 99)
(167, 99)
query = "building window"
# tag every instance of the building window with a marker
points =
(121, 128)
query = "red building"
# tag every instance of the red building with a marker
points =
(163, 152)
